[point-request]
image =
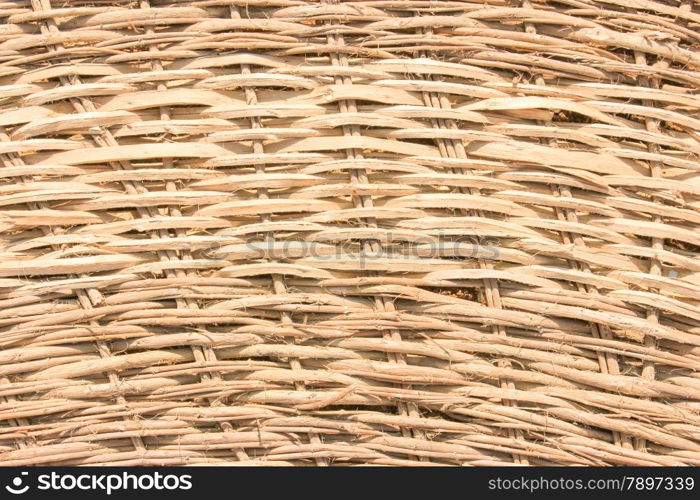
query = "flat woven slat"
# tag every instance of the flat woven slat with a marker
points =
(350, 232)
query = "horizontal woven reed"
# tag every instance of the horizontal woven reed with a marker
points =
(363, 232)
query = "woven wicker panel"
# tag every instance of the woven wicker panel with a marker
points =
(381, 232)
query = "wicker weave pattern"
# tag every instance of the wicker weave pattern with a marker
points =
(386, 232)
